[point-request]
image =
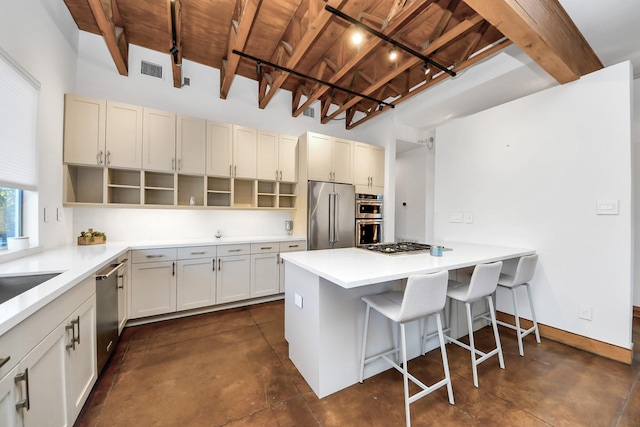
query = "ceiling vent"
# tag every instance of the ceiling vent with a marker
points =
(150, 69)
(309, 112)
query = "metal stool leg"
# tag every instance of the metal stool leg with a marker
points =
(445, 360)
(405, 374)
(495, 332)
(533, 313)
(517, 318)
(472, 346)
(364, 341)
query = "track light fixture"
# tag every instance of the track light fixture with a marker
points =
(259, 63)
(258, 67)
(388, 39)
(425, 69)
(393, 54)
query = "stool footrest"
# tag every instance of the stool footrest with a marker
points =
(381, 355)
(426, 389)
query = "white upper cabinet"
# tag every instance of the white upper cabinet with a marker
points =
(245, 152)
(159, 140)
(123, 135)
(288, 158)
(277, 159)
(219, 148)
(191, 142)
(329, 159)
(84, 130)
(267, 155)
(369, 168)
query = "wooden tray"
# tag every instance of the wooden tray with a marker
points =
(97, 240)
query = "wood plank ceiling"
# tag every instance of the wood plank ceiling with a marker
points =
(302, 36)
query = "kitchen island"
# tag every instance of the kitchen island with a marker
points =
(324, 315)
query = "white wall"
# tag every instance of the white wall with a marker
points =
(97, 77)
(42, 38)
(636, 182)
(531, 172)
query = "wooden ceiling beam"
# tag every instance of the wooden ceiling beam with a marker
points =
(443, 76)
(475, 40)
(544, 30)
(316, 28)
(454, 34)
(176, 58)
(238, 36)
(395, 25)
(116, 43)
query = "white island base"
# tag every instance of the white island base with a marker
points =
(324, 313)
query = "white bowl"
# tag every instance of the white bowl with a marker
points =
(17, 243)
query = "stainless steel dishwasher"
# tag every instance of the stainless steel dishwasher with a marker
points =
(107, 311)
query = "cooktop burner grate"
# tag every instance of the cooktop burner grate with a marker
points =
(398, 248)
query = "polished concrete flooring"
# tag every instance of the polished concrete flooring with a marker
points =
(231, 368)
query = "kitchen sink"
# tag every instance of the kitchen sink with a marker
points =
(12, 286)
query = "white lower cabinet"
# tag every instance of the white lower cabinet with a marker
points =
(81, 355)
(8, 399)
(153, 289)
(294, 246)
(233, 276)
(265, 274)
(196, 283)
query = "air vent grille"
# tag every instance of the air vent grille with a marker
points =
(150, 69)
(309, 112)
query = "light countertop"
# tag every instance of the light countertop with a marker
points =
(76, 263)
(354, 267)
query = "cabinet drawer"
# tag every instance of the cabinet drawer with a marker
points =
(10, 351)
(193, 252)
(266, 247)
(297, 245)
(225, 250)
(152, 255)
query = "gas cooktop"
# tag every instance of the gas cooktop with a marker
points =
(398, 248)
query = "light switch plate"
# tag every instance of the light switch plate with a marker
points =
(456, 217)
(607, 207)
(59, 214)
(297, 299)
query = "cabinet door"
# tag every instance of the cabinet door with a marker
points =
(196, 283)
(219, 148)
(265, 274)
(233, 278)
(8, 398)
(124, 135)
(288, 158)
(159, 140)
(45, 370)
(361, 164)
(81, 359)
(376, 167)
(267, 155)
(84, 130)
(319, 157)
(342, 161)
(153, 289)
(124, 281)
(191, 141)
(245, 152)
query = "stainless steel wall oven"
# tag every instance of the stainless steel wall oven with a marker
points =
(369, 219)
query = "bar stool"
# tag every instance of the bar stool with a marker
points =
(524, 273)
(484, 281)
(424, 295)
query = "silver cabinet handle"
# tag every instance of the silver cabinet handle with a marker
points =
(230, 174)
(4, 361)
(214, 264)
(294, 246)
(179, 164)
(78, 323)
(24, 403)
(276, 175)
(100, 157)
(264, 248)
(108, 159)
(173, 163)
(72, 326)
(235, 170)
(219, 264)
(121, 280)
(198, 253)
(281, 175)
(173, 268)
(235, 250)
(155, 256)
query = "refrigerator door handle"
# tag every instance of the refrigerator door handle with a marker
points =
(331, 217)
(336, 211)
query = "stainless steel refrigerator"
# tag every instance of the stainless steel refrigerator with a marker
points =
(331, 210)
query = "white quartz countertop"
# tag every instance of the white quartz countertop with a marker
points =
(76, 263)
(353, 267)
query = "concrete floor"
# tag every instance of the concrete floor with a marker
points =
(231, 368)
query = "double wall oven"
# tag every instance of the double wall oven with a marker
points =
(369, 219)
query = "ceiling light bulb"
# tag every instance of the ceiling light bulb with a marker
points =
(393, 54)
(357, 37)
(426, 70)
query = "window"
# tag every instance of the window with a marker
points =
(10, 214)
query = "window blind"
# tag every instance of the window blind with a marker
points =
(18, 124)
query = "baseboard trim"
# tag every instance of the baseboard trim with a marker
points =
(636, 311)
(600, 348)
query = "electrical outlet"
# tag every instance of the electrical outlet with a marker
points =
(468, 217)
(297, 300)
(584, 311)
